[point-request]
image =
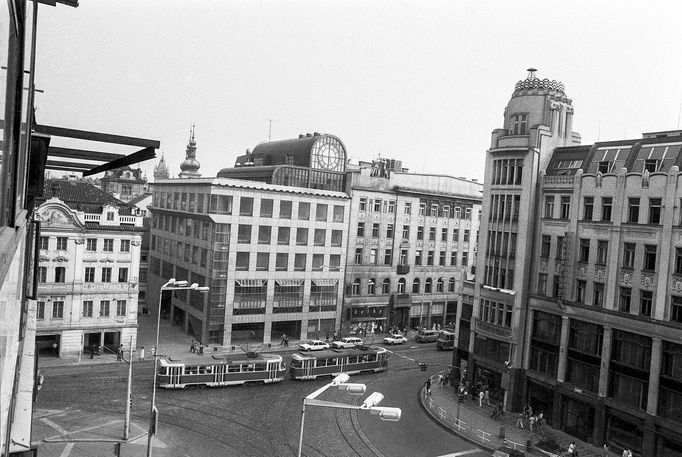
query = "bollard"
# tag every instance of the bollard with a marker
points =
(422, 366)
(502, 434)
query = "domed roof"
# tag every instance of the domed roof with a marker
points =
(190, 166)
(533, 85)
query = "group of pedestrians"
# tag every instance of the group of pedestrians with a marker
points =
(196, 349)
(526, 419)
(285, 340)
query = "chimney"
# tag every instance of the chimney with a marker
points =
(316, 134)
(302, 135)
(308, 135)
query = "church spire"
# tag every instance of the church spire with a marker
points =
(190, 166)
(161, 169)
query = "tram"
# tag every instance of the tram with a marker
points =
(225, 370)
(331, 362)
(446, 339)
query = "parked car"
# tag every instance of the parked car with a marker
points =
(427, 336)
(505, 451)
(395, 338)
(347, 342)
(314, 345)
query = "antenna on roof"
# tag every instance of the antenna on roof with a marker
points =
(270, 128)
(531, 72)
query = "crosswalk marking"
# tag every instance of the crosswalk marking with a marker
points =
(457, 454)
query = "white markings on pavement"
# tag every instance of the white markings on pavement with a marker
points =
(67, 450)
(400, 355)
(54, 426)
(457, 454)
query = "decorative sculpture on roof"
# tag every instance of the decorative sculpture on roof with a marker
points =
(645, 179)
(379, 168)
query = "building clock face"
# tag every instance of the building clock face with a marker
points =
(328, 155)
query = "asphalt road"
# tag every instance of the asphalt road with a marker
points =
(250, 420)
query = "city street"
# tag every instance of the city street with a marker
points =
(252, 420)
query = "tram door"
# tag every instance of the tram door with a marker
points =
(174, 375)
(272, 370)
(220, 373)
(308, 366)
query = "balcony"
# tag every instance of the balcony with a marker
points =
(403, 269)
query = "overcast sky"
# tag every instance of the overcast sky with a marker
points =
(422, 81)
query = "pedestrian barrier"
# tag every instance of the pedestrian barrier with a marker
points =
(441, 413)
(460, 425)
(515, 446)
(483, 436)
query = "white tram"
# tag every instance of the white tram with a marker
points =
(334, 361)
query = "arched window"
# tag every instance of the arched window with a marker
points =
(416, 285)
(428, 285)
(370, 286)
(386, 286)
(440, 285)
(401, 286)
(451, 285)
(356, 287)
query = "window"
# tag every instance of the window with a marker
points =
(285, 208)
(42, 274)
(303, 211)
(678, 261)
(629, 255)
(401, 286)
(408, 208)
(422, 209)
(283, 235)
(420, 232)
(676, 309)
(440, 285)
(453, 258)
(633, 210)
(432, 233)
(649, 257)
(403, 256)
(441, 258)
(373, 256)
(242, 263)
(560, 248)
(89, 274)
(62, 243)
(455, 235)
(624, 299)
(358, 256)
(356, 287)
(264, 234)
(465, 259)
(106, 274)
(245, 205)
(120, 307)
(584, 254)
(428, 285)
(110, 215)
(361, 229)
(87, 308)
(444, 234)
(546, 244)
(518, 124)
(581, 287)
(363, 204)
(565, 207)
(370, 287)
(123, 275)
(58, 309)
(377, 205)
(556, 287)
(386, 286)
(320, 237)
(337, 237)
(549, 207)
(434, 210)
(300, 262)
(334, 262)
(388, 257)
(244, 234)
(588, 207)
(301, 236)
(281, 261)
(467, 214)
(466, 236)
(389, 231)
(654, 211)
(650, 165)
(416, 286)
(429, 258)
(606, 206)
(406, 232)
(338, 213)
(262, 261)
(598, 298)
(645, 301)
(45, 243)
(542, 284)
(418, 257)
(446, 210)
(602, 251)
(375, 230)
(266, 206)
(125, 245)
(60, 274)
(604, 167)
(40, 310)
(451, 285)
(108, 245)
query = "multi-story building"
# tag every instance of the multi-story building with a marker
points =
(412, 243)
(89, 250)
(589, 330)
(124, 183)
(267, 236)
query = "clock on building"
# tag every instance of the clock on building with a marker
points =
(328, 154)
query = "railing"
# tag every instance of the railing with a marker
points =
(403, 269)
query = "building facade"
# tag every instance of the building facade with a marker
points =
(124, 183)
(88, 270)
(579, 310)
(412, 243)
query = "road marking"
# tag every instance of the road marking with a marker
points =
(457, 454)
(67, 450)
(400, 355)
(54, 426)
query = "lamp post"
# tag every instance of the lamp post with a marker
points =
(172, 284)
(369, 404)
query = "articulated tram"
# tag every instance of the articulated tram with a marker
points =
(331, 362)
(216, 371)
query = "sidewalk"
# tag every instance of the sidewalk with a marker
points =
(475, 424)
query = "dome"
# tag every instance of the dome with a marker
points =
(533, 85)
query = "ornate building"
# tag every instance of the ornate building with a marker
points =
(124, 183)
(190, 166)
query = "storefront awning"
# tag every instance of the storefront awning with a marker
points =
(250, 282)
(289, 282)
(325, 282)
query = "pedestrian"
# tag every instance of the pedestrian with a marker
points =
(153, 352)
(629, 453)
(519, 420)
(193, 346)
(55, 349)
(92, 351)
(480, 398)
(428, 386)
(540, 420)
(142, 353)
(486, 395)
(284, 339)
(571, 448)
(119, 353)
(440, 379)
(201, 349)
(531, 423)
(605, 451)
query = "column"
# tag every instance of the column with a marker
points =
(605, 361)
(654, 377)
(563, 349)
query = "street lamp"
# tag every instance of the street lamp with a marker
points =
(172, 284)
(369, 404)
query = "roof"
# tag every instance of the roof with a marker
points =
(276, 152)
(81, 195)
(139, 198)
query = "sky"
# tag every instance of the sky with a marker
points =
(425, 82)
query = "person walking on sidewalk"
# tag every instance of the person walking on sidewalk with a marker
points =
(571, 448)
(605, 451)
(480, 398)
(428, 386)
(519, 421)
(486, 396)
(141, 353)
(119, 353)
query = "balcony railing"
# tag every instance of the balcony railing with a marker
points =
(403, 269)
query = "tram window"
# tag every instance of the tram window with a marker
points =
(261, 366)
(353, 359)
(233, 368)
(321, 362)
(191, 370)
(250, 367)
(296, 363)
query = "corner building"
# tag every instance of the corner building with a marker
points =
(596, 316)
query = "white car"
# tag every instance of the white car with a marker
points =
(314, 345)
(395, 338)
(347, 342)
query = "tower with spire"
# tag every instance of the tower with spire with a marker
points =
(190, 166)
(161, 169)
